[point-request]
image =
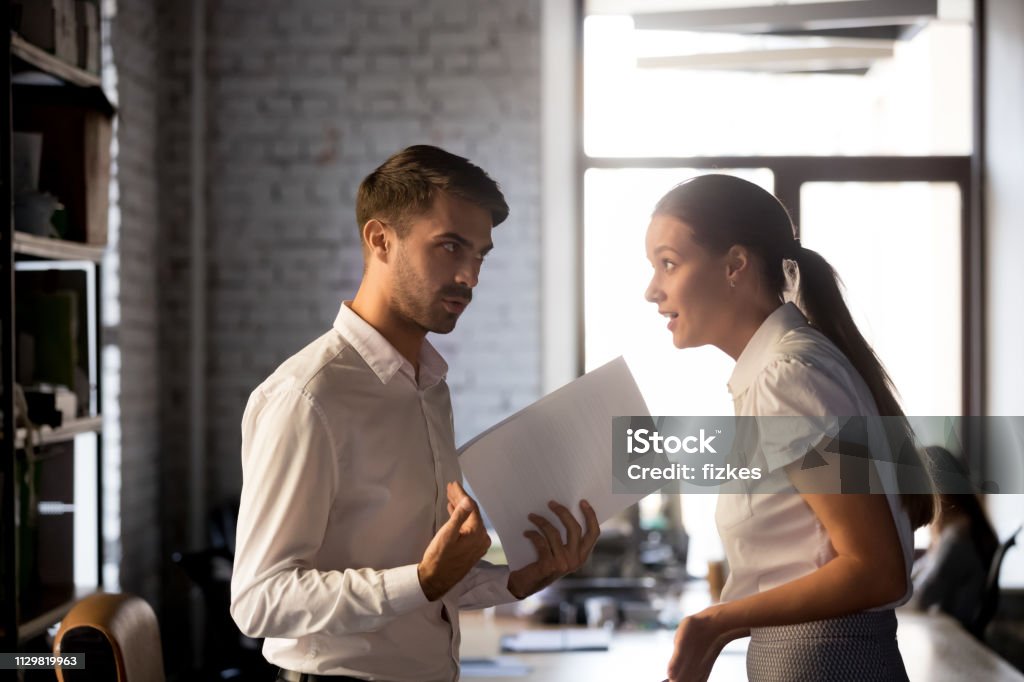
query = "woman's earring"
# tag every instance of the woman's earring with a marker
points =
(732, 284)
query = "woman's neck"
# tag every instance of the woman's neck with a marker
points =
(746, 320)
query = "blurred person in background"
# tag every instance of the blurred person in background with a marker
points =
(951, 575)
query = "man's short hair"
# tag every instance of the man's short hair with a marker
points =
(404, 187)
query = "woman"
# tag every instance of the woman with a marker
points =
(813, 577)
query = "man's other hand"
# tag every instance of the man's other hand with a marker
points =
(555, 558)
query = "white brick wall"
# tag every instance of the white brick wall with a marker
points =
(174, 163)
(136, 250)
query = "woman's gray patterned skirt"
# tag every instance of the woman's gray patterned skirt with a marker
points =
(859, 648)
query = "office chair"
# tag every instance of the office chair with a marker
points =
(119, 636)
(990, 600)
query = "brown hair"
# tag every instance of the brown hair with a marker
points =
(404, 186)
(722, 211)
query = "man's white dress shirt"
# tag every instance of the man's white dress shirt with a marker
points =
(345, 461)
(790, 369)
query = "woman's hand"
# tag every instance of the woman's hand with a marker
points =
(699, 640)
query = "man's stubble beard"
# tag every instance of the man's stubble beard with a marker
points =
(414, 300)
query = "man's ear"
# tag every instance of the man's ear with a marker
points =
(378, 239)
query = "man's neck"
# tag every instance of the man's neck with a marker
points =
(406, 337)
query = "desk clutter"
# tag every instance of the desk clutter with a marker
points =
(499, 666)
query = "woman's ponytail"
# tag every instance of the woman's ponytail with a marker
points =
(822, 301)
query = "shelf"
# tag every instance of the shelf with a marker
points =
(49, 64)
(44, 61)
(37, 625)
(69, 107)
(65, 432)
(56, 249)
(70, 74)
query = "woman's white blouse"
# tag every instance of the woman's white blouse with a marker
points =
(791, 369)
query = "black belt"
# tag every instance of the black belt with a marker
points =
(293, 676)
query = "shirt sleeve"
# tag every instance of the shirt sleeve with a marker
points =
(797, 406)
(288, 486)
(485, 585)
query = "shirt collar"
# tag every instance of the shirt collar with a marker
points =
(383, 358)
(752, 360)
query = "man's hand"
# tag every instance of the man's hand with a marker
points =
(555, 559)
(458, 545)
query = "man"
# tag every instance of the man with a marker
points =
(357, 545)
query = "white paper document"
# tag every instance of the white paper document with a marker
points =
(558, 448)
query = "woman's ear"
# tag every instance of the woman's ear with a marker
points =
(737, 263)
(378, 239)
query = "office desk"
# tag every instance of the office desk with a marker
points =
(935, 649)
